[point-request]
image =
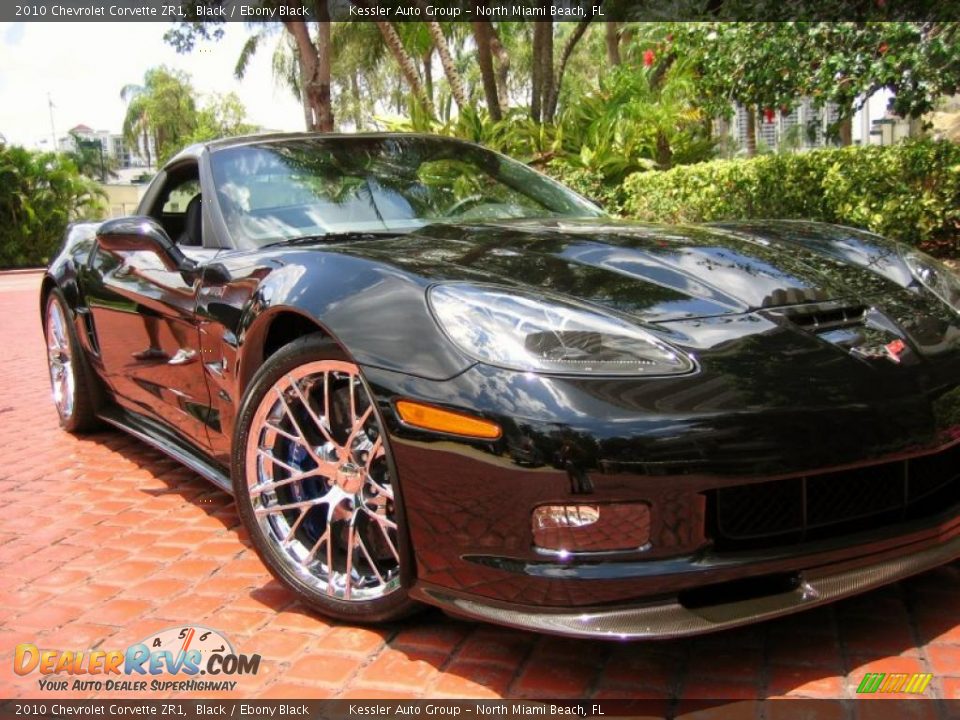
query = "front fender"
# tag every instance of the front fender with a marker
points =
(378, 314)
(78, 242)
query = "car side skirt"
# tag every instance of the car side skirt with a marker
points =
(158, 437)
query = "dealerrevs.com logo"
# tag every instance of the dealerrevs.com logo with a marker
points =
(188, 651)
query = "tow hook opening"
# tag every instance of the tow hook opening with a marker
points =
(739, 590)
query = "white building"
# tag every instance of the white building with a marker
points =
(113, 146)
(806, 127)
(803, 128)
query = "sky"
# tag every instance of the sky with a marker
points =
(83, 66)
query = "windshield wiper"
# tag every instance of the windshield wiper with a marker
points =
(334, 238)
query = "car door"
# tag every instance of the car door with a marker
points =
(143, 314)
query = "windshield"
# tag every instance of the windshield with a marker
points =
(326, 186)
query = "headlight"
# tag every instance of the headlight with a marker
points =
(933, 275)
(519, 331)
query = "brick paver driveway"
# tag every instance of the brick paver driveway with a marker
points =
(105, 541)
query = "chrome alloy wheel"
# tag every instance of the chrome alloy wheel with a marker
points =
(62, 378)
(320, 485)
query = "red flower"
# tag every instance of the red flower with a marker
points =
(648, 57)
(768, 115)
(882, 49)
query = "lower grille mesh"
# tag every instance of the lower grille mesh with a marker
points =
(833, 504)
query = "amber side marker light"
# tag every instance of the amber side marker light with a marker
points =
(428, 417)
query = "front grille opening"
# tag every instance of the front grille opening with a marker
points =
(739, 590)
(795, 510)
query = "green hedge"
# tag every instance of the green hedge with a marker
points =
(39, 194)
(591, 184)
(909, 191)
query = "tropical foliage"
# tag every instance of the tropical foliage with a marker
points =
(909, 192)
(768, 67)
(164, 114)
(604, 106)
(40, 193)
(220, 116)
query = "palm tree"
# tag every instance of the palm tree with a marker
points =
(162, 110)
(407, 65)
(446, 61)
(483, 39)
(136, 122)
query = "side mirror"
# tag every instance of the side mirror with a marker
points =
(128, 234)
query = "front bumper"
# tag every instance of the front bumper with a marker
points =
(672, 619)
(671, 444)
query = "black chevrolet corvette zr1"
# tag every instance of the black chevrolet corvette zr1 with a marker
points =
(429, 374)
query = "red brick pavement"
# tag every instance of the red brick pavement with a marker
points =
(105, 541)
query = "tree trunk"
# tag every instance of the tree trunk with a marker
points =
(542, 75)
(664, 151)
(613, 42)
(845, 130)
(407, 67)
(449, 69)
(571, 43)
(502, 65)
(146, 145)
(481, 36)
(536, 73)
(304, 100)
(546, 65)
(324, 100)
(316, 93)
(355, 96)
(428, 73)
(751, 131)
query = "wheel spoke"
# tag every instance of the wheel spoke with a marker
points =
(351, 533)
(325, 538)
(353, 402)
(313, 416)
(357, 428)
(267, 455)
(289, 436)
(370, 562)
(296, 424)
(273, 509)
(330, 584)
(383, 524)
(273, 485)
(288, 538)
(381, 521)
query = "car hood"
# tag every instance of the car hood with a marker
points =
(657, 272)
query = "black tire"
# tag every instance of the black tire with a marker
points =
(79, 415)
(319, 575)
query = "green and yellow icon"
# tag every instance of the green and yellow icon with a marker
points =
(914, 684)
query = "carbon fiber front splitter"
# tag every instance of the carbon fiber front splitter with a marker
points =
(672, 619)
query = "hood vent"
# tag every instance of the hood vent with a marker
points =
(821, 317)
